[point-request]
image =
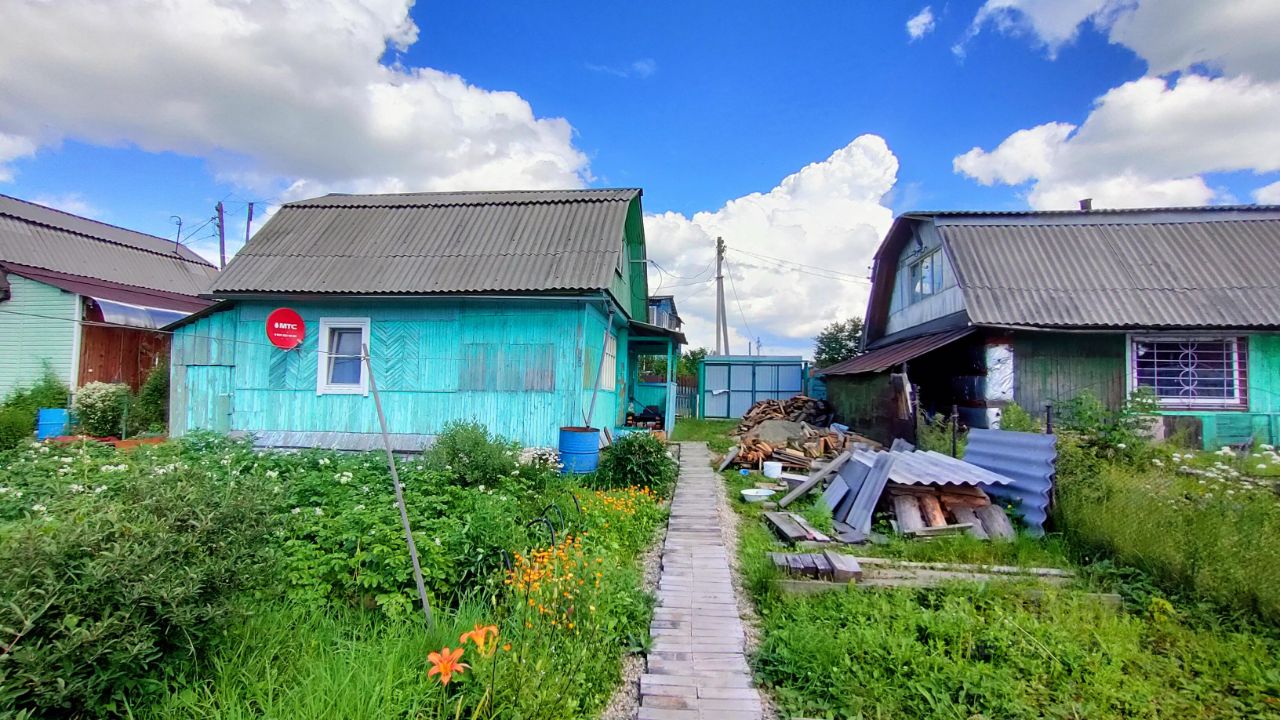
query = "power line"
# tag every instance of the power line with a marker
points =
(699, 276)
(813, 270)
(750, 333)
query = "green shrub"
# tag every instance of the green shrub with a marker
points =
(637, 460)
(16, 426)
(1014, 418)
(1121, 433)
(149, 411)
(935, 435)
(47, 392)
(468, 454)
(99, 408)
(118, 570)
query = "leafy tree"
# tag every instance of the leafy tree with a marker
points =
(837, 342)
(686, 366)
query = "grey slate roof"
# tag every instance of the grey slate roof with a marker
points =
(41, 237)
(425, 243)
(1207, 267)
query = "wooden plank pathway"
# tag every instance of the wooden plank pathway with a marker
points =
(697, 666)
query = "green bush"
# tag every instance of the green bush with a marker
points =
(100, 407)
(118, 571)
(637, 460)
(149, 411)
(18, 412)
(468, 454)
(16, 426)
(1014, 418)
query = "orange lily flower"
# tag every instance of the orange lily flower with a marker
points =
(445, 664)
(480, 636)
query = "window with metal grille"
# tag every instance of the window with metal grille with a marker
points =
(1193, 372)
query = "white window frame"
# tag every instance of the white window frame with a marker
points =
(1237, 401)
(609, 368)
(327, 326)
(915, 269)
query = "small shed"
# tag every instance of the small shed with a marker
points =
(85, 300)
(730, 384)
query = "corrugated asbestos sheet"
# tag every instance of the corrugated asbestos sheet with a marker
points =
(1027, 460)
(41, 237)
(1202, 273)
(896, 354)
(931, 468)
(436, 243)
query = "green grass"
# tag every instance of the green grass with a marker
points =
(715, 433)
(973, 651)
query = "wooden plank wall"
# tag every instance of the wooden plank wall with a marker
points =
(119, 354)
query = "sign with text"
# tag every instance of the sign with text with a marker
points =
(285, 328)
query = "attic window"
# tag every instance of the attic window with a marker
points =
(925, 275)
(1193, 372)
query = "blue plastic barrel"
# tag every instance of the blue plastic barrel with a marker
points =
(579, 449)
(51, 422)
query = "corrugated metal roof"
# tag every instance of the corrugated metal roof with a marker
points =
(896, 354)
(42, 237)
(421, 243)
(1027, 460)
(1207, 273)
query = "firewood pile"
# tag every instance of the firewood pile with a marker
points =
(801, 408)
(815, 444)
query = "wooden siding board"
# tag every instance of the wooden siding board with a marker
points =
(419, 357)
(1056, 367)
(31, 342)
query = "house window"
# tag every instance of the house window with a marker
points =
(341, 367)
(1193, 372)
(926, 276)
(609, 369)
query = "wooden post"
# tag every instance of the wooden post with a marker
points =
(595, 390)
(395, 481)
(955, 429)
(1048, 419)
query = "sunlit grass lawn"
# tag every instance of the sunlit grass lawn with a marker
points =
(715, 433)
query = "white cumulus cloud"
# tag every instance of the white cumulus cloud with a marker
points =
(921, 24)
(279, 95)
(823, 223)
(1149, 141)
(13, 147)
(1268, 194)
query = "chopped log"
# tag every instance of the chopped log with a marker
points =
(995, 522)
(951, 502)
(843, 567)
(907, 512)
(931, 509)
(966, 515)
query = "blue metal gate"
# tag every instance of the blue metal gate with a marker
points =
(730, 384)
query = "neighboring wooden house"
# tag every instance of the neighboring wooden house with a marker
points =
(984, 309)
(85, 298)
(502, 307)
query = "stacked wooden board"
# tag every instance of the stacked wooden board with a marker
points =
(839, 568)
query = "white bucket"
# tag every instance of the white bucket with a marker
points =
(773, 470)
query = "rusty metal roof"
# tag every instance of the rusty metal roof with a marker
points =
(895, 354)
(40, 237)
(1213, 270)
(424, 243)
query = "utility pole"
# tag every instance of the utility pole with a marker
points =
(759, 346)
(177, 239)
(248, 224)
(722, 326)
(222, 240)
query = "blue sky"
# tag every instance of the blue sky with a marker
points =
(700, 104)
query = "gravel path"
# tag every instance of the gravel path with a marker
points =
(625, 703)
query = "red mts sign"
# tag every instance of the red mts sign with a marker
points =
(285, 328)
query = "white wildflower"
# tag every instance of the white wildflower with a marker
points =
(319, 511)
(3, 490)
(99, 489)
(324, 461)
(1157, 462)
(1267, 447)
(44, 448)
(273, 474)
(17, 493)
(1122, 446)
(35, 444)
(482, 488)
(75, 488)
(295, 511)
(437, 540)
(359, 507)
(38, 508)
(1262, 466)
(64, 460)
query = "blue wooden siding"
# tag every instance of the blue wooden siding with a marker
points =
(515, 365)
(33, 343)
(608, 411)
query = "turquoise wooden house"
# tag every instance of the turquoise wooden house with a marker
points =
(983, 309)
(525, 311)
